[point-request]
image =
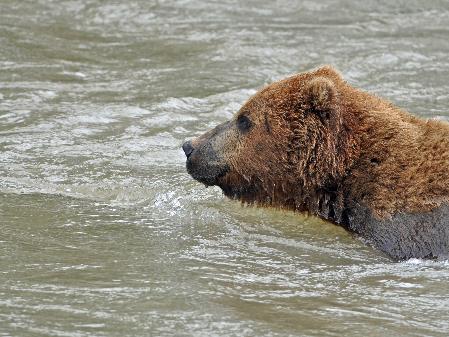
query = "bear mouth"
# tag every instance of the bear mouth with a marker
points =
(209, 175)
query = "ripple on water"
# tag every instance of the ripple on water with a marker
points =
(103, 231)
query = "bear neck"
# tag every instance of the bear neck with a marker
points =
(328, 198)
(394, 170)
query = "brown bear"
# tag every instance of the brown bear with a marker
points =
(312, 143)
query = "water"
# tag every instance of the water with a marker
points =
(103, 233)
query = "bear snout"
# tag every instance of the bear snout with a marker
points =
(203, 163)
(187, 148)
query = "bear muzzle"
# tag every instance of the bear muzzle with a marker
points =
(203, 163)
(187, 147)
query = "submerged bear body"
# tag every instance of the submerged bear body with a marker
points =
(312, 143)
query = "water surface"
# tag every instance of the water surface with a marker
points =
(103, 233)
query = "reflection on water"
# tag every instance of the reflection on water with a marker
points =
(102, 231)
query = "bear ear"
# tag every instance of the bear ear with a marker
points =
(321, 96)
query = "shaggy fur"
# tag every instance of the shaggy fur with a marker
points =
(313, 143)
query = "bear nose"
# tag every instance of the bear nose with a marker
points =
(188, 148)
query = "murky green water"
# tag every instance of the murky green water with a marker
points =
(102, 232)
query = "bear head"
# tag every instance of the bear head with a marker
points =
(286, 142)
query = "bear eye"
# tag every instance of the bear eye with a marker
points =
(243, 123)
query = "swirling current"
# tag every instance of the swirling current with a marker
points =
(102, 231)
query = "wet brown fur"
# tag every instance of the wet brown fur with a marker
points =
(320, 146)
(377, 154)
